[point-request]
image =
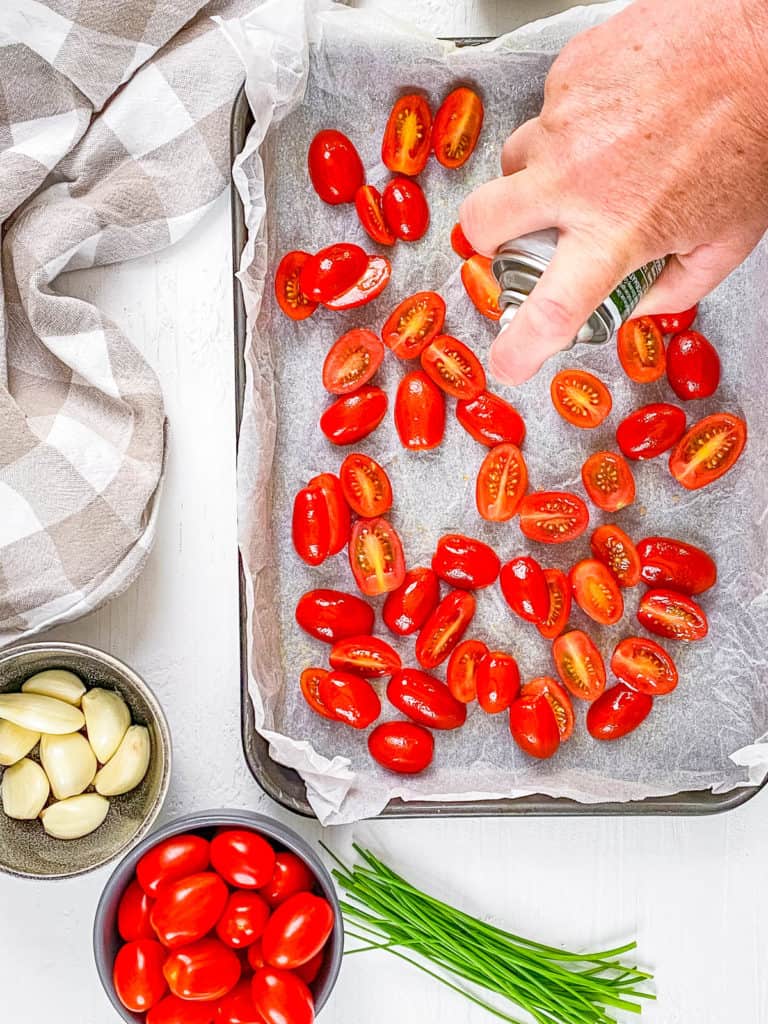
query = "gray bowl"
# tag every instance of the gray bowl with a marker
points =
(25, 849)
(107, 941)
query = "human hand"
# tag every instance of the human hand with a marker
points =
(652, 140)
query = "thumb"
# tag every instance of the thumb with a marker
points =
(687, 278)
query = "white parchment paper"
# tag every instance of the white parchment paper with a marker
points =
(313, 66)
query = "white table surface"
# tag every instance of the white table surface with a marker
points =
(693, 891)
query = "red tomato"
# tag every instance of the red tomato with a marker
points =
(457, 127)
(204, 970)
(367, 656)
(650, 430)
(596, 592)
(290, 298)
(366, 486)
(498, 682)
(525, 589)
(351, 699)
(413, 324)
(370, 210)
(407, 137)
(481, 286)
(332, 271)
(579, 664)
(444, 628)
(309, 683)
(465, 563)
(331, 615)
(641, 350)
(425, 699)
(310, 528)
(402, 747)
(237, 1006)
(672, 323)
(188, 908)
(453, 367)
(138, 974)
(171, 859)
(559, 604)
(617, 712)
(376, 556)
(490, 420)
(309, 971)
(291, 875)
(502, 480)
(644, 665)
(255, 957)
(297, 930)
(608, 481)
(352, 361)
(558, 700)
(709, 449)
(553, 517)
(281, 997)
(374, 280)
(534, 727)
(419, 412)
(673, 615)
(243, 858)
(611, 546)
(673, 564)
(243, 920)
(405, 209)
(580, 398)
(408, 608)
(172, 1010)
(354, 416)
(693, 366)
(460, 244)
(338, 511)
(133, 914)
(461, 676)
(335, 168)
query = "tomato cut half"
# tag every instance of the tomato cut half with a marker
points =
(352, 361)
(481, 286)
(402, 747)
(580, 398)
(457, 127)
(370, 212)
(425, 700)
(596, 592)
(309, 683)
(408, 608)
(374, 280)
(525, 588)
(465, 562)
(709, 449)
(553, 517)
(672, 323)
(350, 698)
(498, 682)
(368, 656)
(608, 481)
(376, 556)
(366, 486)
(534, 727)
(641, 350)
(618, 712)
(490, 420)
(335, 167)
(558, 699)
(332, 271)
(454, 367)
(693, 366)
(405, 209)
(330, 615)
(650, 430)
(611, 546)
(672, 615)
(579, 664)
(352, 417)
(408, 135)
(338, 511)
(501, 483)
(310, 527)
(644, 665)
(461, 675)
(419, 412)
(444, 628)
(559, 604)
(290, 298)
(673, 564)
(413, 324)
(460, 243)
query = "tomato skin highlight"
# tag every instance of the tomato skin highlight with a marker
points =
(339, 524)
(525, 589)
(481, 286)
(672, 615)
(502, 481)
(650, 430)
(460, 243)
(297, 930)
(353, 417)
(673, 564)
(553, 517)
(408, 608)
(558, 700)
(579, 665)
(368, 287)
(376, 556)
(425, 700)
(580, 398)
(644, 665)
(457, 127)
(309, 683)
(413, 324)
(351, 698)
(281, 997)
(596, 592)
(335, 167)
(556, 618)
(498, 682)
(331, 615)
(444, 628)
(608, 481)
(366, 486)
(405, 209)
(461, 675)
(204, 970)
(188, 908)
(617, 712)
(332, 271)
(243, 919)
(640, 346)
(171, 859)
(310, 528)
(367, 656)
(290, 298)
(370, 211)
(490, 420)
(407, 136)
(351, 361)
(693, 366)
(709, 449)
(244, 859)
(673, 323)
(291, 875)
(133, 914)
(402, 747)
(611, 546)
(419, 412)
(465, 563)
(453, 367)
(534, 727)
(137, 974)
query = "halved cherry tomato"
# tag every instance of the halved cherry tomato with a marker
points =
(408, 608)
(243, 919)
(490, 420)
(502, 480)
(498, 682)
(237, 1006)
(619, 711)
(611, 546)
(338, 511)
(419, 412)
(644, 665)
(354, 416)
(525, 589)
(206, 969)
(351, 699)
(465, 562)
(310, 528)
(413, 324)
(290, 298)
(559, 604)
(297, 930)
(368, 656)
(425, 700)
(171, 859)
(579, 664)
(309, 683)
(608, 481)
(461, 676)
(444, 628)
(405, 209)
(558, 700)
(580, 398)
(332, 271)
(650, 430)
(408, 135)
(291, 875)
(370, 210)
(402, 747)
(366, 485)
(534, 727)
(693, 366)
(641, 350)
(454, 367)
(374, 280)
(243, 858)
(376, 556)
(673, 564)
(133, 914)
(460, 244)
(481, 286)
(596, 592)
(352, 361)
(553, 517)
(672, 323)
(457, 127)
(281, 997)
(709, 449)
(331, 615)
(187, 909)
(673, 615)
(172, 1010)
(335, 168)
(137, 974)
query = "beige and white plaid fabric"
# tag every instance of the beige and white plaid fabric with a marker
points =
(114, 120)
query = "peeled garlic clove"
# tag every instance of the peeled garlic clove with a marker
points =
(106, 718)
(69, 763)
(58, 683)
(75, 817)
(40, 714)
(128, 766)
(15, 742)
(25, 790)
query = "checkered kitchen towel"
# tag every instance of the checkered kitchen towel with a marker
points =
(114, 122)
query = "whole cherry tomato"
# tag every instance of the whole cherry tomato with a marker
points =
(465, 562)
(338, 511)
(425, 700)
(172, 858)
(297, 930)
(672, 323)
(559, 604)
(255, 956)
(407, 137)
(460, 244)
(291, 875)
(370, 210)
(481, 286)
(498, 682)
(534, 727)
(419, 412)
(461, 675)
(310, 528)
(204, 970)
(641, 350)
(376, 556)
(490, 420)
(281, 997)
(553, 517)
(709, 449)
(608, 481)
(579, 664)
(309, 683)
(405, 209)
(335, 167)
(558, 700)
(444, 628)
(644, 665)
(457, 127)
(611, 546)
(351, 699)
(402, 747)
(332, 271)
(354, 416)
(673, 564)
(502, 481)
(291, 299)
(368, 287)
(367, 656)
(309, 971)
(172, 1010)
(619, 711)
(366, 485)
(650, 430)
(673, 615)
(133, 914)
(596, 592)
(413, 324)
(137, 974)
(453, 367)
(580, 398)
(352, 360)
(408, 608)
(243, 858)
(244, 919)
(525, 589)
(693, 366)
(188, 908)
(237, 1006)
(331, 615)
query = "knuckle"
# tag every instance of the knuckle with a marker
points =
(549, 318)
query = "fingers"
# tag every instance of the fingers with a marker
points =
(687, 279)
(506, 208)
(515, 152)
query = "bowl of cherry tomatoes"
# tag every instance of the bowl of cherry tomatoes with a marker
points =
(220, 917)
